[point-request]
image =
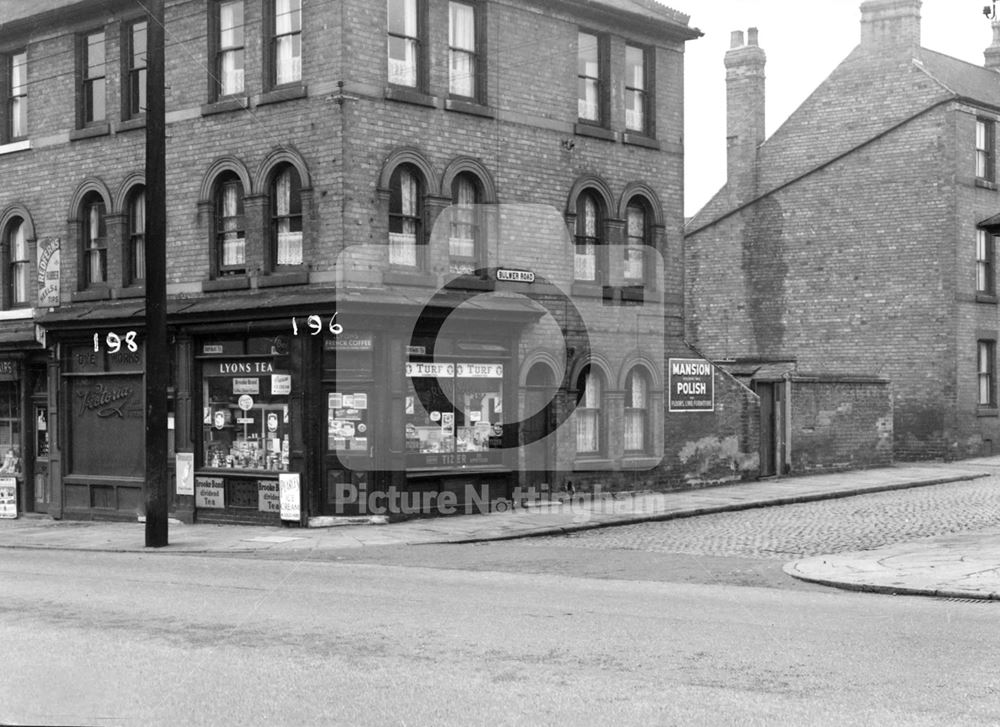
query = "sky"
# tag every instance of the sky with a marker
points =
(804, 41)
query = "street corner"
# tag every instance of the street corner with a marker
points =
(965, 565)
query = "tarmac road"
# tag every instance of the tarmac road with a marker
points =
(123, 638)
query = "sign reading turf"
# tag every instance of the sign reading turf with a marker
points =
(692, 385)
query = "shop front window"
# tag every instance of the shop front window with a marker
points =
(10, 429)
(245, 416)
(453, 412)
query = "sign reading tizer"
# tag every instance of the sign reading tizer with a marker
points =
(692, 385)
(516, 276)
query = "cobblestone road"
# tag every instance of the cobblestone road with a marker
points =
(791, 531)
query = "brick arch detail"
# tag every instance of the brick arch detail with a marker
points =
(277, 157)
(648, 195)
(17, 211)
(642, 361)
(475, 167)
(227, 163)
(91, 184)
(594, 183)
(416, 159)
(128, 185)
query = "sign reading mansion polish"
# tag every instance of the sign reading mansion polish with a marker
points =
(692, 385)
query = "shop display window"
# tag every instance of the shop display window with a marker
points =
(10, 429)
(454, 409)
(245, 424)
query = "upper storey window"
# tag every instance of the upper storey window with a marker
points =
(17, 98)
(135, 65)
(93, 96)
(462, 65)
(985, 144)
(230, 51)
(286, 53)
(404, 43)
(636, 90)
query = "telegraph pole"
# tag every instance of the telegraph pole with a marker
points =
(157, 351)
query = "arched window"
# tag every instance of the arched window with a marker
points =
(230, 225)
(636, 410)
(135, 260)
(589, 434)
(18, 257)
(464, 242)
(94, 240)
(286, 217)
(405, 216)
(589, 238)
(637, 239)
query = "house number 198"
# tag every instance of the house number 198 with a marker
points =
(114, 342)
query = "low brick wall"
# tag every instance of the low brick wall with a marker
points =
(840, 422)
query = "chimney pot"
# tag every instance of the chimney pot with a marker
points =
(752, 36)
(736, 39)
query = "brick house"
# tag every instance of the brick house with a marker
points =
(855, 243)
(399, 258)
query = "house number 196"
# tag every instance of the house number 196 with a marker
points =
(315, 324)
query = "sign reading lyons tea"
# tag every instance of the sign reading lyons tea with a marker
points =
(692, 385)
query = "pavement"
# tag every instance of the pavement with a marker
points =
(965, 565)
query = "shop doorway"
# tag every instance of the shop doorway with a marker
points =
(348, 449)
(539, 453)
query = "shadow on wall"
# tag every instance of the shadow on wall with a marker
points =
(713, 461)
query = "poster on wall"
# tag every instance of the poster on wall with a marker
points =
(185, 473)
(209, 492)
(48, 272)
(692, 385)
(268, 496)
(288, 487)
(8, 497)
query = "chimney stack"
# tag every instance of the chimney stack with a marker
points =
(992, 54)
(890, 26)
(744, 112)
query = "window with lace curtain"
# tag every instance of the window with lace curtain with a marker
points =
(405, 216)
(636, 90)
(589, 437)
(135, 263)
(286, 217)
(94, 241)
(404, 42)
(229, 48)
(230, 225)
(462, 61)
(636, 411)
(637, 238)
(589, 238)
(463, 241)
(286, 42)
